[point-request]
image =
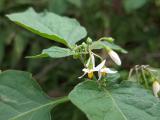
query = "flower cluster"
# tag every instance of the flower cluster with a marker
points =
(147, 76)
(102, 70)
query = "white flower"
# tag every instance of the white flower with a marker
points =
(102, 70)
(156, 88)
(89, 67)
(115, 57)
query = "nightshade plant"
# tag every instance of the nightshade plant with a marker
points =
(100, 95)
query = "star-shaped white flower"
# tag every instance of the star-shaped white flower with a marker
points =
(89, 67)
(103, 70)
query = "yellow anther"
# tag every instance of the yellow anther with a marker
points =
(103, 73)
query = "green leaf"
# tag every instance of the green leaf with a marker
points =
(49, 25)
(127, 101)
(22, 99)
(101, 44)
(131, 5)
(2, 4)
(54, 52)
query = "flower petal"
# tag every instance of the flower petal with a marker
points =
(99, 75)
(82, 75)
(100, 66)
(108, 70)
(93, 60)
(88, 62)
(85, 70)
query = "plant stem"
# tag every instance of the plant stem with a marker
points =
(130, 73)
(144, 78)
(137, 75)
(98, 56)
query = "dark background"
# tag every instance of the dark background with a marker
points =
(135, 25)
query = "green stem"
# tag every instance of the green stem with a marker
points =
(60, 100)
(130, 73)
(98, 56)
(137, 74)
(144, 78)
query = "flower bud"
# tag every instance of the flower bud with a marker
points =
(115, 57)
(75, 55)
(84, 44)
(109, 39)
(156, 88)
(89, 40)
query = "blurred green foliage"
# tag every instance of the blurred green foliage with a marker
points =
(135, 25)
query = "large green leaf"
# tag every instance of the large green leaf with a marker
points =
(49, 25)
(127, 101)
(22, 99)
(54, 52)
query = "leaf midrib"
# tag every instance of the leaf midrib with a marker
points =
(56, 102)
(115, 104)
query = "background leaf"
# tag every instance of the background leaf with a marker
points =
(131, 5)
(125, 102)
(22, 99)
(58, 6)
(77, 3)
(20, 43)
(49, 25)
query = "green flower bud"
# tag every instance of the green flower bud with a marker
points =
(75, 56)
(156, 88)
(89, 40)
(84, 44)
(109, 39)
